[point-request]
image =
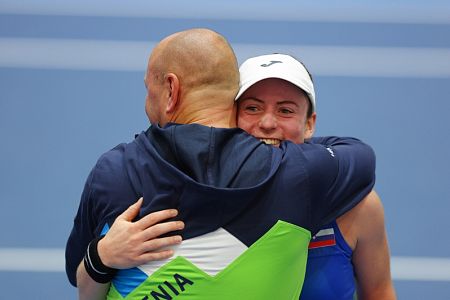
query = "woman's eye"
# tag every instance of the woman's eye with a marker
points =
(251, 108)
(286, 111)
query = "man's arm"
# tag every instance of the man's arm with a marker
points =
(371, 253)
(341, 173)
(129, 244)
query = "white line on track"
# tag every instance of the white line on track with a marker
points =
(91, 55)
(408, 268)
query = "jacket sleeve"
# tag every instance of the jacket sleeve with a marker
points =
(341, 173)
(107, 193)
(82, 232)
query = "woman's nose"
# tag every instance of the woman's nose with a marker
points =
(268, 122)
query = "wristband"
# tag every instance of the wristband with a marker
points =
(94, 266)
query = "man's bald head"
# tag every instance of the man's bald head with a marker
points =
(198, 57)
(205, 67)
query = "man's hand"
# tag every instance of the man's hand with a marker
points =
(129, 244)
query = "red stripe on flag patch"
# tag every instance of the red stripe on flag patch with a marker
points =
(323, 238)
(319, 244)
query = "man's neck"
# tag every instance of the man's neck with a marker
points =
(214, 107)
(219, 121)
(220, 118)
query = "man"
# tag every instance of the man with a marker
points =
(276, 103)
(248, 209)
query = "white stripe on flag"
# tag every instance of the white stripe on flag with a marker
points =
(328, 231)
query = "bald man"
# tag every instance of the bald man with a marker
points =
(248, 209)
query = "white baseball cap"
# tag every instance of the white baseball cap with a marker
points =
(280, 66)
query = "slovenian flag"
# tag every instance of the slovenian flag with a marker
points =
(323, 238)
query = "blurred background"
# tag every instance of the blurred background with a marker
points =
(71, 88)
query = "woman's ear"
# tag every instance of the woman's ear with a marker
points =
(310, 126)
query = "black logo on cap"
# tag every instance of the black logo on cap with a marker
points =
(271, 63)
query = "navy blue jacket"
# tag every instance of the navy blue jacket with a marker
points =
(222, 178)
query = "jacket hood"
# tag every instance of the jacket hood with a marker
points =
(216, 157)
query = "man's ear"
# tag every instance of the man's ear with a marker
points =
(173, 85)
(310, 126)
